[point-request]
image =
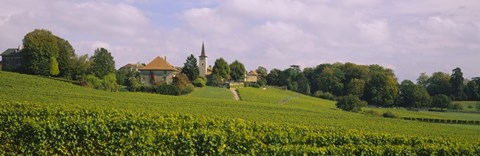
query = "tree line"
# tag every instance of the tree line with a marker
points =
(355, 86)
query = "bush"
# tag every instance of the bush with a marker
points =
(389, 115)
(200, 82)
(351, 103)
(373, 112)
(254, 85)
(92, 81)
(110, 83)
(441, 101)
(167, 90)
(325, 95)
(456, 106)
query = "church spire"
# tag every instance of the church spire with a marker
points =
(203, 50)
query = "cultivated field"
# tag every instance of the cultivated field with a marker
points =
(43, 116)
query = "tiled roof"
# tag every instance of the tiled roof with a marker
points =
(252, 73)
(158, 64)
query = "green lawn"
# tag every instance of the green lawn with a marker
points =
(469, 105)
(211, 92)
(269, 105)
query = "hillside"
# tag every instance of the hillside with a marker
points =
(23, 93)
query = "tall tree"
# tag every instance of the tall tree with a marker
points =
(382, 89)
(355, 87)
(439, 83)
(81, 65)
(54, 67)
(221, 69)
(473, 89)
(273, 78)
(66, 58)
(330, 80)
(412, 95)
(303, 85)
(422, 80)
(262, 71)
(237, 71)
(39, 47)
(190, 68)
(102, 63)
(456, 80)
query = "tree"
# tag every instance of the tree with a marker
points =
(190, 68)
(355, 87)
(351, 103)
(382, 89)
(237, 71)
(66, 58)
(110, 83)
(439, 83)
(330, 80)
(124, 74)
(262, 71)
(54, 67)
(182, 83)
(303, 86)
(221, 70)
(102, 63)
(81, 65)
(273, 78)
(39, 48)
(412, 95)
(200, 82)
(422, 80)
(473, 89)
(441, 101)
(456, 80)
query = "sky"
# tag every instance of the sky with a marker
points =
(408, 36)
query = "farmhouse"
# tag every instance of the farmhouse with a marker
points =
(158, 71)
(251, 77)
(12, 59)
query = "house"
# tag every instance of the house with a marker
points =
(158, 71)
(132, 67)
(251, 77)
(12, 59)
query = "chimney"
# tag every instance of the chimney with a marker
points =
(165, 58)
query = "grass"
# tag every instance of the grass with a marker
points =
(270, 105)
(469, 105)
(211, 92)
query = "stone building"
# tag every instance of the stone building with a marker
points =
(12, 59)
(158, 71)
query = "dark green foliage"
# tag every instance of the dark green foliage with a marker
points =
(66, 58)
(167, 89)
(382, 89)
(456, 81)
(215, 80)
(182, 83)
(439, 83)
(330, 80)
(190, 68)
(389, 115)
(237, 71)
(262, 71)
(303, 84)
(412, 95)
(351, 103)
(473, 89)
(81, 65)
(39, 47)
(200, 82)
(273, 78)
(441, 101)
(355, 87)
(125, 75)
(93, 82)
(221, 69)
(325, 95)
(102, 63)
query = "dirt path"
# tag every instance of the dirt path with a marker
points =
(235, 93)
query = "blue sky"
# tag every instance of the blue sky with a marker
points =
(408, 36)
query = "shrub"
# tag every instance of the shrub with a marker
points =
(457, 106)
(351, 103)
(373, 112)
(110, 83)
(441, 101)
(325, 95)
(93, 82)
(199, 82)
(168, 90)
(389, 115)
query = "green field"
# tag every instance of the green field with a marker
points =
(266, 121)
(212, 93)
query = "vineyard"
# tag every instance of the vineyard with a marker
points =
(43, 117)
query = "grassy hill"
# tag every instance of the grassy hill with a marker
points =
(212, 93)
(33, 101)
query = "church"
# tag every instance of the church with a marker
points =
(203, 66)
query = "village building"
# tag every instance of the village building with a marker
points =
(251, 77)
(132, 67)
(158, 71)
(12, 59)
(202, 64)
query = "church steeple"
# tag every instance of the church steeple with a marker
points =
(203, 50)
(202, 64)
